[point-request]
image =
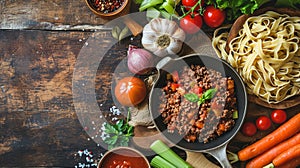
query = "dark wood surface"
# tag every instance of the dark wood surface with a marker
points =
(40, 41)
(39, 46)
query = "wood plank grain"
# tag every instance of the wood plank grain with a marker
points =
(50, 15)
(38, 123)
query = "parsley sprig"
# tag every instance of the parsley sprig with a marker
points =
(193, 97)
(118, 134)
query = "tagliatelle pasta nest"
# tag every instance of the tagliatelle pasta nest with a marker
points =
(266, 54)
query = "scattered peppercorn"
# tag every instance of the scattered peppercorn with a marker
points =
(107, 6)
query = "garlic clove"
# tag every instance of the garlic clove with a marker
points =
(171, 28)
(149, 38)
(154, 25)
(161, 52)
(172, 48)
(151, 47)
(165, 26)
(179, 34)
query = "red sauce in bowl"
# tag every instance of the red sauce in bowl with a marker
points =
(124, 158)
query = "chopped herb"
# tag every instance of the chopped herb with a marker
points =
(118, 134)
(235, 114)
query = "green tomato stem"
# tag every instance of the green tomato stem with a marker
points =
(192, 9)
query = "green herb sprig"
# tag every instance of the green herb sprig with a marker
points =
(118, 134)
(193, 97)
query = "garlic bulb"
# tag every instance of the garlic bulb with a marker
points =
(162, 37)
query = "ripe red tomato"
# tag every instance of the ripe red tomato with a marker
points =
(191, 23)
(278, 116)
(130, 91)
(213, 17)
(188, 4)
(263, 123)
(249, 129)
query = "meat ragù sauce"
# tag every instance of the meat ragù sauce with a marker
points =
(196, 117)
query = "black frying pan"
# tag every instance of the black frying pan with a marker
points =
(217, 147)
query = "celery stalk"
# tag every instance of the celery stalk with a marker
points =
(173, 2)
(169, 8)
(159, 162)
(152, 13)
(165, 152)
(165, 14)
(149, 3)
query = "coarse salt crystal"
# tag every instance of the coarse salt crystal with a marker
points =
(80, 153)
(82, 165)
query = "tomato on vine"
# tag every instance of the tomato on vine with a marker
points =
(188, 4)
(213, 17)
(191, 23)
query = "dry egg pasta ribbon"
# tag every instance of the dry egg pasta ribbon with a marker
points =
(266, 54)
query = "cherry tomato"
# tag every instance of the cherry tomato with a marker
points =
(191, 23)
(278, 116)
(130, 91)
(263, 123)
(213, 17)
(249, 129)
(188, 4)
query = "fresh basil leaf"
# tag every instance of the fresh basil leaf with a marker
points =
(192, 97)
(201, 101)
(209, 94)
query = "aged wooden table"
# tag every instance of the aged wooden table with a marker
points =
(39, 45)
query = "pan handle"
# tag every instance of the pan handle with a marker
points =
(163, 62)
(220, 154)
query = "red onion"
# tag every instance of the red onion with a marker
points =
(140, 61)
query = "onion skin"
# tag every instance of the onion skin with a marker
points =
(140, 61)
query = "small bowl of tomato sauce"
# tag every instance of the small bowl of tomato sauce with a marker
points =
(124, 157)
